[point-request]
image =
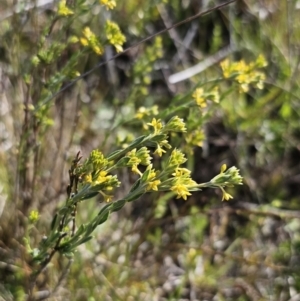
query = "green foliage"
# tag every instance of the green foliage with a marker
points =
(141, 137)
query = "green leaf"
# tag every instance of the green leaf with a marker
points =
(123, 162)
(80, 230)
(67, 245)
(135, 185)
(82, 241)
(89, 195)
(102, 218)
(135, 197)
(159, 138)
(54, 222)
(64, 210)
(52, 237)
(50, 240)
(69, 255)
(104, 208)
(118, 205)
(114, 153)
(136, 142)
(145, 175)
(90, 228)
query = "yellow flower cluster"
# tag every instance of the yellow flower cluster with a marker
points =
(175, 124)
(152, 182)
(97, 160)
(90, 40)
(156, 124)
(34, 216)
(182, 183)
(102, 177)
(195, 137)
(146, 112)
(110, 4)
(114, 35)
(198, 96)
(152, 185)
(95, 175)
(159, 147)
(102, 182)
(137, 157)
(172, 178)
(245, 74)
(63, 10)
(227, 178)
(201, 97)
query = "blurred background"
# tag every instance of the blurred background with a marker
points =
(159, 247)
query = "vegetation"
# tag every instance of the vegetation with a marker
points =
(113, 123)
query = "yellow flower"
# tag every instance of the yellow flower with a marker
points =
(226, 68)
(159, 151)
(102, 177)
(153, 185)
(195, 137)
(110, 4)
(97, 160)
(261, 61)
(226, 196)
(87, 178)
(90, 40)
(87, 33)
(240, 66)
(34, 216)
(84, 41)
(134, 159)
(175, 124)
(245, 74)
(63, 10)
(97, 49)
(243, 78)
(156, 124)
(181, 191)
(73, 39)
(181, 172)
(114, 35)
(154, 110)
(215, 95)
(176, 158)
(107, 198)
(135, 169)
(118, 47)
(198, 96)
(143, 155)
(152, 173)
(141, 113)
(223, 168)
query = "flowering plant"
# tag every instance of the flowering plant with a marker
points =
(96, 175)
